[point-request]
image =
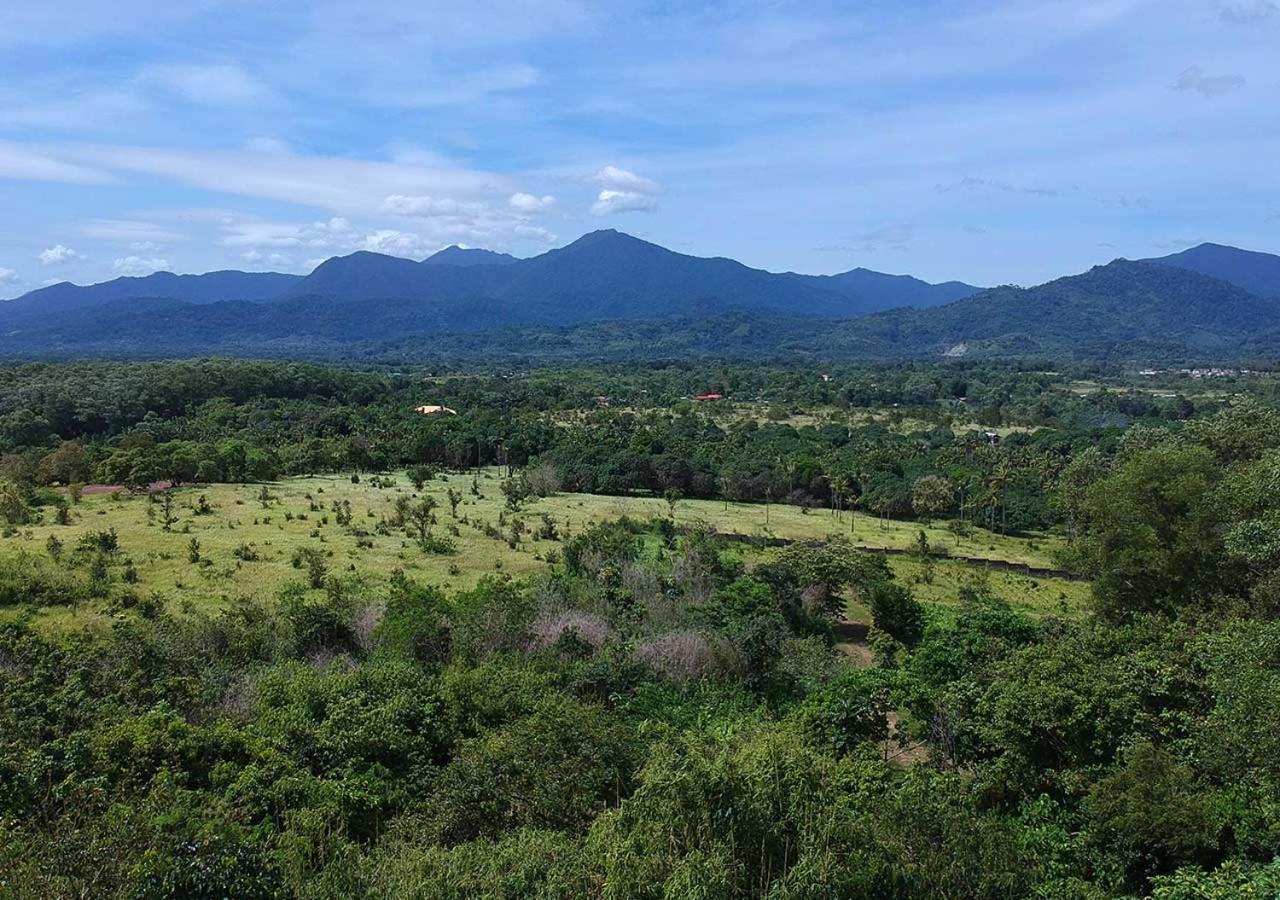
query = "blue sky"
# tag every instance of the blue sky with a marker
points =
(991, 142)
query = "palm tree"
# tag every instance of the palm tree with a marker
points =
(839, 489)
(996, 485)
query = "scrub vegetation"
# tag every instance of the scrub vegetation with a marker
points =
(963, 631)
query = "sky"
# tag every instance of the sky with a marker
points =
(992, 142)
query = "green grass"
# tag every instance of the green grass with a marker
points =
(791, 522)
(288, 522)
(1036, 596)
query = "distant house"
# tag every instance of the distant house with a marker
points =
(703, 398)
(431, 410)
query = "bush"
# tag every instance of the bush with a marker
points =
(895, 612)
(28, 579)
(558, 769)
(313, 560)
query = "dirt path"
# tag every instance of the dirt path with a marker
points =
(851, 640)
(91, 489)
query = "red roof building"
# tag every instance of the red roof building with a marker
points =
(705, 397)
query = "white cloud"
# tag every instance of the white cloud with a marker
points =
(58, 255)
(529, 203)
(269, 242)
(257, 257)
(398, 243)
(336, 225)
(615, 179)
(8, 276)
(342, 185)
(213, 85)
(442, 220)
(139, 265)
(623, 191)
(609, 202)
(1195, 79)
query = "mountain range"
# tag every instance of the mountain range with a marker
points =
(610, 295)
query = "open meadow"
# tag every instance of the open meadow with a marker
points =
(246, 539)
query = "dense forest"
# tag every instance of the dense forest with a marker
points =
(609, 431)
(654, 713)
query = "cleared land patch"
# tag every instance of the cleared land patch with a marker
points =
(247, 539)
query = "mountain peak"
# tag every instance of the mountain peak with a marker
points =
(455, 255)
(607, 236)
(1258, 273)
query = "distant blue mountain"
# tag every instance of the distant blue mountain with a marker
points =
(603, 275)
(611, 275)
(613, 287)
(1258, 273)
(877, 291)
(212, 287)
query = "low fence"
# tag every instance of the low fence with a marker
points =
(1005, 565)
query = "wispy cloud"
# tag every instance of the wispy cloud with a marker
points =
(893, 236)
(971, 183)
(1247, 13)
(130, 231)
(25, 163)
(139, 265)
(470, 88)
(334, 183)
(216, 85)
(1194, 79)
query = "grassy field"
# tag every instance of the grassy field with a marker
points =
(793, 523)
(301, 512)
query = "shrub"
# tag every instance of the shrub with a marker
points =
(895, 612)
(681, 656)
(28, 579)
(547, 631)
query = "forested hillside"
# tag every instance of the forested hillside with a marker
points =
(266, 631)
